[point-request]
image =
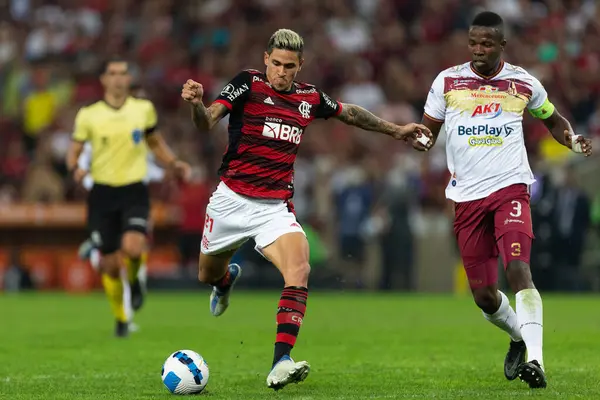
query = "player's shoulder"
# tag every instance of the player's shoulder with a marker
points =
(90, 108)
(517, 72)
(250, 74)
(141, 102)
(456, 70)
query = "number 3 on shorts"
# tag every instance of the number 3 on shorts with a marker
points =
(518, 209)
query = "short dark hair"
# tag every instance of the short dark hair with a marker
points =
(488, 19)
(286, 39)
(110, 60)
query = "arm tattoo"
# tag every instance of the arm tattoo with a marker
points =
(357, 116)
(201, 117)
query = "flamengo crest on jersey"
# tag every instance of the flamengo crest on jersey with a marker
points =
(265, 130)
(483, 117)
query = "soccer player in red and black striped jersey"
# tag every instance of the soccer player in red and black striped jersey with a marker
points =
(268, 115)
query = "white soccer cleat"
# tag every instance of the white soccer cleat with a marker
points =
(287, 371)
(219, 299)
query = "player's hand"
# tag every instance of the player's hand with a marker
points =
(419, 146)
(182, 170)
(417, 134)
(79, 174)
(581, 144)
(192, 92)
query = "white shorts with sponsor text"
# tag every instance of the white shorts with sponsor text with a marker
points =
(232, 219)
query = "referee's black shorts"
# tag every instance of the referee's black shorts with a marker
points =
(114, 210)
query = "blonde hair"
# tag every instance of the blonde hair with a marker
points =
(286, 39)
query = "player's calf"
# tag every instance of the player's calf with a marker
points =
(515, 248)
(289, 253)
(214, 268)
(133, 247)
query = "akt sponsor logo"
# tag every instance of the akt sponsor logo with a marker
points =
(487, 111)
(487, 130)
(232, 92)
(273, 128)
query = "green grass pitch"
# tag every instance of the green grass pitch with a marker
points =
(360, 346)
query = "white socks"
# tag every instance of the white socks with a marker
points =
(530, 317)
(506, 319)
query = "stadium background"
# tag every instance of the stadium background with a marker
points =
(374, 210)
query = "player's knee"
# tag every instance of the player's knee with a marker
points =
(133, 244)
(486, 299)
(296, 274)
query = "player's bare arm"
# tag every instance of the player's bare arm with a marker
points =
(75, 150)
(164, 155)
(561, 130)
(357, 116)
(204, 117)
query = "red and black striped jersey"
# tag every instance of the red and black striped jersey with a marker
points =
(265, 130)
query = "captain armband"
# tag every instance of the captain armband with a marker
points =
(543, 112)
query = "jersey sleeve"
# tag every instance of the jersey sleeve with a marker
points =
(539, 106)
(151, 119)
(236, 92)
(435, 106)
(81, 131)
(327, 106)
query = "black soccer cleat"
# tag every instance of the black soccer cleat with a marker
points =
(137, 295)
(532, 373)
(122, 329)
(514, 358)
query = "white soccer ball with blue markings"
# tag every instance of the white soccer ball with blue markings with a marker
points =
(185, 372)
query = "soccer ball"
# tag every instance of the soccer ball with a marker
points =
(185, 372)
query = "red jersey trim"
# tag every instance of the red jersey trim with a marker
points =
(339, 111)
(488, 77)
(432, 119)
(225, 103)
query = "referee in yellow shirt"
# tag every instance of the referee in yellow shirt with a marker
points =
(120, 129)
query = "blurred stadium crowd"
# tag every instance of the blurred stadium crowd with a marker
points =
(380, 54)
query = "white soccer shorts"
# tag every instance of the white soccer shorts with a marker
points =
(232, 219)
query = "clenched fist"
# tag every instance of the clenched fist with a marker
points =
(192, 92)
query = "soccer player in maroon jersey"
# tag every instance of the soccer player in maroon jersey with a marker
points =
(268, 115)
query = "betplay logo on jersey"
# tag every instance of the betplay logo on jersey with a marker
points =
(274, 128)
(487, 111)
(487, 130)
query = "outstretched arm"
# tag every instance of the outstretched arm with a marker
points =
(357, 116)
(354, 115)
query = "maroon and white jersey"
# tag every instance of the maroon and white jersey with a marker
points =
(265, 131)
